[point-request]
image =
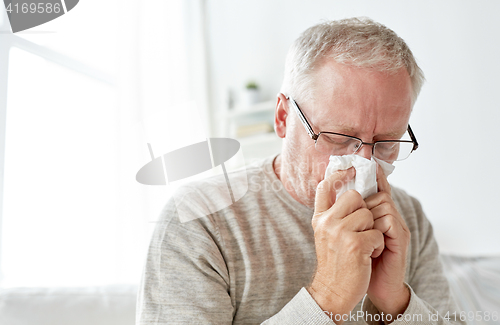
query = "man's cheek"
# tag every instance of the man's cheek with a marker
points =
(320, 169)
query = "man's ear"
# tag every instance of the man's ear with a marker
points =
(280, 115)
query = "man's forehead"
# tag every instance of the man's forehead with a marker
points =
(390, 124)
(356, 101)
(324, 125)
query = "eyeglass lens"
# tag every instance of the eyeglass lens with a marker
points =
(338, 145)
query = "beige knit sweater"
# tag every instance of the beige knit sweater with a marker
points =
(249, 263)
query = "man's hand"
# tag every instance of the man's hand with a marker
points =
(345, 244)
(387, 290)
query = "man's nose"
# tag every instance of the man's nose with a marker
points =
(365, 151)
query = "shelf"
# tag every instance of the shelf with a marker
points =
(258, 139)
(255, 146)
(260, 146)
(268, 106)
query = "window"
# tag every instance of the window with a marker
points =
(80, 91)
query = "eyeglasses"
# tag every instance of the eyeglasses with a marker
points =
(337, 144)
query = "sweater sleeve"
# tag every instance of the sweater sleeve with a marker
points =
(431, 301)
(185, 278)
(301, 310)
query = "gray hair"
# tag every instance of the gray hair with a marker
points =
(359, 42)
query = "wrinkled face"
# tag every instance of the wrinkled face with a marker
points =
(367, 104)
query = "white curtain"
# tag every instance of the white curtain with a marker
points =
(85, 94)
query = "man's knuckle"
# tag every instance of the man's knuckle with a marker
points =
(370, 221)
(386, 197)
(386, 205)
(322, 186)
(391, 219)
(354, 196)
(348, 238)
(341, 226)
(352, 193)
(319, 224)
(366, 212)
(365, 215)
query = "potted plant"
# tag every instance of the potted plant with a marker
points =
(251, 95)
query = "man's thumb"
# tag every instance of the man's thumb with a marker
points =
(326, 192)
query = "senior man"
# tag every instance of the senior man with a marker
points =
(293, 253)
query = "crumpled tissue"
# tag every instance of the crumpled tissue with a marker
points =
(365, 181)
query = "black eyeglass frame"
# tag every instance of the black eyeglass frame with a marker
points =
(315, 136)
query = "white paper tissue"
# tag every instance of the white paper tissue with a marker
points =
(365, 181)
